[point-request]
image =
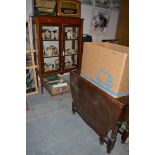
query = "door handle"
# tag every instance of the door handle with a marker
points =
(63, 53)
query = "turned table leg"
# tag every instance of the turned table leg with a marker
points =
(125, 135)
(112, 139)
(103, 138)
(109, 141)
(73, 108)
(111, 144)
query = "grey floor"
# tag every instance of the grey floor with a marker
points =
(52, 129)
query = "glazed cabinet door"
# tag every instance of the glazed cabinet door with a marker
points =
(59, 41)
(50, 48)
(71, 47)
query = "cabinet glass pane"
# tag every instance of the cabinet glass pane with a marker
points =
(50, 48)
(71, 47)
(50, 32)
(50, 41)
(70, 61)
(51, 64)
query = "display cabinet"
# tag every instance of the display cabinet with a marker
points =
(59, 44)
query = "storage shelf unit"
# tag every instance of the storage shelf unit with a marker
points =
(59, 44)
(31, 79)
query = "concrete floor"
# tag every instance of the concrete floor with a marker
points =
(52, 129)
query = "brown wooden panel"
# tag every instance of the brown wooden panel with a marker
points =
(123, 24)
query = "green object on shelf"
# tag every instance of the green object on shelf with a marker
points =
(52, 77)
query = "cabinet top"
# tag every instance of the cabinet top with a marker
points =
(57, 19)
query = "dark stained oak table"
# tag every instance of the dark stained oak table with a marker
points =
(102, 112)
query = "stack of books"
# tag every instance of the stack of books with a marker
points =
(52, 79)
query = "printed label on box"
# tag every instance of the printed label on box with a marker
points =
(104, 78)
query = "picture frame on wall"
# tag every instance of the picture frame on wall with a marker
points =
(108, 4)
(103, 3)
(87, 2)
(100, 21)
(115, 4)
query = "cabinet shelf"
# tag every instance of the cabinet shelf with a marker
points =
(50, 40)
(50, 56)
(71, 54)
(71, 39)
(70, 68)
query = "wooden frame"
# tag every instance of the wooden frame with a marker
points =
(72, 4)
(31, 51)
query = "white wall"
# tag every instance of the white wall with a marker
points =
(86, 12)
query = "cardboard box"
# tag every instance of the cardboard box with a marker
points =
(106, 65)
(58, 88)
